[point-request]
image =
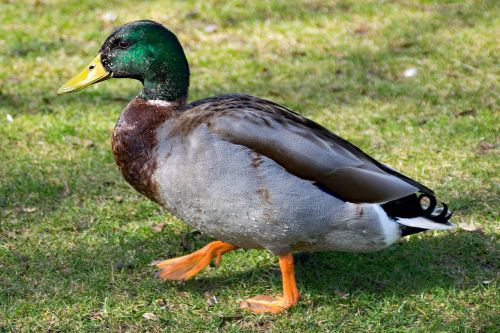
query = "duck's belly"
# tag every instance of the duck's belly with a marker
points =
(238, 196)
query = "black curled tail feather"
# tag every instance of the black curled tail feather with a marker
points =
(440, 215)
(412, 206)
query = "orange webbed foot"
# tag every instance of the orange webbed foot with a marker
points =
(266, 304)
(185, 267)
(277, 304)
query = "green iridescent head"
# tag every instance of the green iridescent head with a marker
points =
(141, 50)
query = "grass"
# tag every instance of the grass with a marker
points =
(76, 241)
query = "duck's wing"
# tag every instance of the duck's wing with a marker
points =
(303, 148)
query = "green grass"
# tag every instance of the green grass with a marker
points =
(76, 241)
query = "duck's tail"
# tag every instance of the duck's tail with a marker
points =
(416, 213)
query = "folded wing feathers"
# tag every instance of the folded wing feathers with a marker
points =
(306, 149)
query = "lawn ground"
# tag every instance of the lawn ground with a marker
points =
(414, 84)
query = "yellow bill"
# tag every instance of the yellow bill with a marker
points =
(93, 73)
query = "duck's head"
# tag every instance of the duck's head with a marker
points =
(141, 50)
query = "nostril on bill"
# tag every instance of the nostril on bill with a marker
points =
(91, 67)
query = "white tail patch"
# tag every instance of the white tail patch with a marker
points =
(391, 230)
(423, 223)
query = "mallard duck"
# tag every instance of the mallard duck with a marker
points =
(246, 171)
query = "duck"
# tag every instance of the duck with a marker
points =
(246, 171)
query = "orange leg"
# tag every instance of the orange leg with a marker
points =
(262, 304)
(184, 268)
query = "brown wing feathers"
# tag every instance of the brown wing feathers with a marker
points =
(302, 147)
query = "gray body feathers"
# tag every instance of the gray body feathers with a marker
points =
(213, 181)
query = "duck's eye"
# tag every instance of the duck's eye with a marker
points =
(123, 44)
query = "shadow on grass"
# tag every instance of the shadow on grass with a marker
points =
(456, 260)
(45, 186)
(450, 261)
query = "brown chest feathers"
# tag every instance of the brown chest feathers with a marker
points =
(134, 140)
